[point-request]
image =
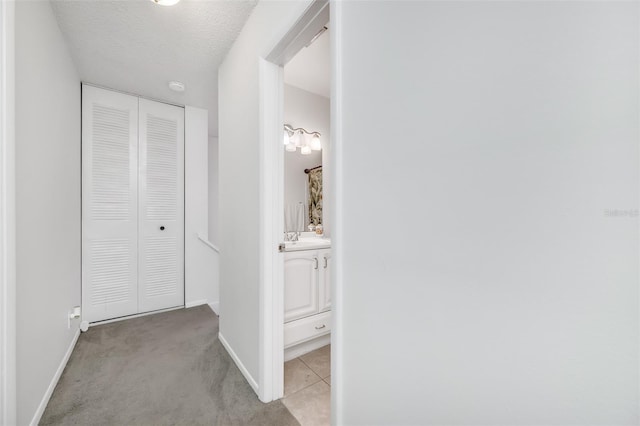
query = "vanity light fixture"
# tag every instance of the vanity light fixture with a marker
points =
(165, 2)
(290, 147)
(294, 138)
(315, 142)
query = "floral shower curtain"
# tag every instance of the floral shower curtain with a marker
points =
(315, 196)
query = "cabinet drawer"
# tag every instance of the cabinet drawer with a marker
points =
(306, 328)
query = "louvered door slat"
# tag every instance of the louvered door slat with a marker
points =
(161, 206)
(109, 204)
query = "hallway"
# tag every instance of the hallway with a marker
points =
(167, 368)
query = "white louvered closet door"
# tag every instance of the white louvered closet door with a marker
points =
(161, 206)
(109, 204)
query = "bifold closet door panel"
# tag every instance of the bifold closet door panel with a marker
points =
(161, 206)
(109, 204)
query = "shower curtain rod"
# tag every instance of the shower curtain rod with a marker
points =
(313, 168)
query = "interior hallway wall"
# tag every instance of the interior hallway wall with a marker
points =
(201, 262)
(312, 112)
(7, 216)
(239, 183)
(502, 139)
(214, 227)
(47, 201)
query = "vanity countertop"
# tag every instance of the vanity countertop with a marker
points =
(307, 243)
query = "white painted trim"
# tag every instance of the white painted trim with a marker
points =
(98, 86)
(301, 32)
(8, 405)
(215, 306)
(54, 381)
(209, 243)
(143, 314)
(194, 303)
(271, 346)
(306, 347)
(271, 158)
(337, 205)
(239, 363)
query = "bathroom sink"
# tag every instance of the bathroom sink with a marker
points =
(307, 243)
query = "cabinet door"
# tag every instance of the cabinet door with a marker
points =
(161, 197)
(109, 204)
(300, 284)
(325, 280)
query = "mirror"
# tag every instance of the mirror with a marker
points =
(303, 194)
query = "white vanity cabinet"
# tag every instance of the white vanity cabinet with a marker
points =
(324, 280)
(300, 284)
(307, 295)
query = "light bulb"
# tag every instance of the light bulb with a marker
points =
(305, 150)
(286, 137)
(290, 147)
(315, 143)
(295, 139)
(303, 139)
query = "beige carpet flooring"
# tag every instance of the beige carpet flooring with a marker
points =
(163, 369)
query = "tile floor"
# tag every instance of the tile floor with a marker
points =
(307, 387)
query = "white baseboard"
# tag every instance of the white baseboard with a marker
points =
(128, 317)
(54, 381)
(239, 363)
(215, 306)
(195, 303)
(306, 347)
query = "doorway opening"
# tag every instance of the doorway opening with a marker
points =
(307, 237)
(297, 315)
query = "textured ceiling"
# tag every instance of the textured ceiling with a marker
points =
(137, 46)
(310, 69)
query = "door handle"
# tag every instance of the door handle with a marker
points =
(325, 262)
(321, 327)
(316, 260)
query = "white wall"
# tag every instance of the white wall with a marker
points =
(239, 177)
(310, 111)
(213, 195)
(201, 262)
(7, 216)
(492, 137)
(47, 201)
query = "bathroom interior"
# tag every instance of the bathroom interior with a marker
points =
(307, 242)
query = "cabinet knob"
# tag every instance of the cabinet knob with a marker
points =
(162, 228)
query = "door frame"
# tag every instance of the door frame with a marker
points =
(8, 405)
(271, 160)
